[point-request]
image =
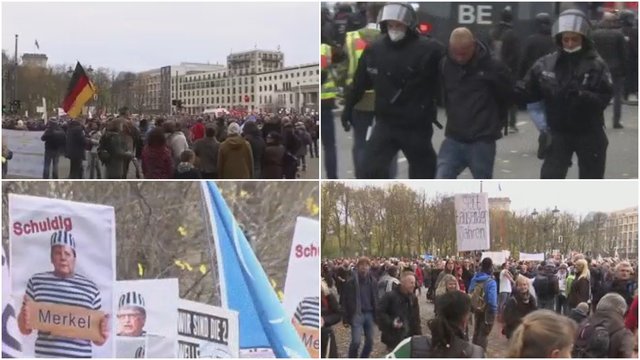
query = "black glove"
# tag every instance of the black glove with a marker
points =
(345, 118)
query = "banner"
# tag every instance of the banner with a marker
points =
(472, 221)
(206, 331)
(531, 257)
(131, 347)
(263, 321)
(498, 257)
(301, 301)
(28, 153)
(148, 309)
(63, 253)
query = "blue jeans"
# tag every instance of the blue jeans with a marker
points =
(455, 156)
(361, 121)
(361, 322)
(51, 159)
(328, 138)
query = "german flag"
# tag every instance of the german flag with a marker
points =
(79, 92)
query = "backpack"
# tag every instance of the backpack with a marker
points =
(478, 302)
(593, 341)
(104, 146)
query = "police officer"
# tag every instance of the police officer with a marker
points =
(402, 68)
(328, 96)
(575, 86)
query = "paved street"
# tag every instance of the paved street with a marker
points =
(311, 173)
(516, 153)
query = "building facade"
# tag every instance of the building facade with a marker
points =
(621, 231)
(34, 60)
(253, 81)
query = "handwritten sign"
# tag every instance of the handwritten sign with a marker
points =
(68, 321)
(472, 221)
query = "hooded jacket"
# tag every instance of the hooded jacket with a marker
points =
(477, 96)
(611, 45)
(536, 46)
(235, 160)
(490, 290)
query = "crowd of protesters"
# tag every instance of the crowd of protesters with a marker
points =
(258, 146)
(576, 307)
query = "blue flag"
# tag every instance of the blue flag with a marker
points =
(245, 287)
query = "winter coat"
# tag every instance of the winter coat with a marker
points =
(206, 150)
(514, 310)
(579, 292)
(157, 162)
(54, 139)
(490, 290)
(350, 297)
(76, 141)
(397, 305)
(273, 162)
(610, 43)
(186, 170)
(477, 96)
(621, 339)
(258, 146)
(118, 154)
(235, 160)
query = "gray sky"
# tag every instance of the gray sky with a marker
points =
(145, 35)
(577, 197)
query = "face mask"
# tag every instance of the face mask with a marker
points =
(396, 35)
(571, 51)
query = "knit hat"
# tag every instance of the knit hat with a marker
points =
(131, 298)
(62, 237)
(234, 129)
(583, 307)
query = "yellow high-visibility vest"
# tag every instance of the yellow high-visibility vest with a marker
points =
(329, 89)
(355, 47)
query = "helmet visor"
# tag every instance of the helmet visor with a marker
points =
(573, 23)
(396, 12)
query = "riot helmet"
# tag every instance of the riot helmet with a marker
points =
(627, 18)
(572, 20)
(400, 12)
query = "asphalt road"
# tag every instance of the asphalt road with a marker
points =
(516, 153)
(63, 171)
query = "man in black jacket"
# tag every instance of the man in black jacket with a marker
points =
(611, 45)
(575, 85)
(76, 143)
(477, 91)
(54, 144)
(402, 68)
(398, 312)
(358, 301)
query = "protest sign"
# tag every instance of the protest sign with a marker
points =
(498, 257)
(531, 257)
(301, 301)
(206, 331)
(68, 321)
(149, 308)
(63, 253)
(472, 221)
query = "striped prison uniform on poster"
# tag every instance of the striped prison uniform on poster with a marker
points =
(308, 312)
(74, 291)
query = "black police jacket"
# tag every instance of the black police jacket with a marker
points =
(404, 76)
(476, 96)
(576, 89)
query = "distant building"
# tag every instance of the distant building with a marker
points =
(621, 231)
(251, 80)
(34, 60)
(501, 203)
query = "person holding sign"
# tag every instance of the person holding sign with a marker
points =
(131, 315)
(62, 287)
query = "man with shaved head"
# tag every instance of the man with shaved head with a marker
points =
(477, 90)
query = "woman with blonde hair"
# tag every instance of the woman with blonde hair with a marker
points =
(543, 334)
(518, 306)
(581, 286)
(448, 283)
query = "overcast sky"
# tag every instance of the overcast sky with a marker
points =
(576, 197)
(145, 35)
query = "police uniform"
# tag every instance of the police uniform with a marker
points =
(404, 76)
(328, 96)
(76, 290)
(576, 89)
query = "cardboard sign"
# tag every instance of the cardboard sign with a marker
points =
(68, 321)
(206, 331)
(472, 221)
